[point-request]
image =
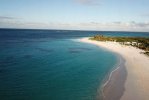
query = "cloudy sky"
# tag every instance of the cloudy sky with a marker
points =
(105, 15)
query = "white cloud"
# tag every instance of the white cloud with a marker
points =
(8, 22)
(87, 2)
(6, 17)
(145, 15)
(116, 26)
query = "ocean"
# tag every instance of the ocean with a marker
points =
(52, 65)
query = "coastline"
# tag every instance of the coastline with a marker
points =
(113, 89)
(129, 82)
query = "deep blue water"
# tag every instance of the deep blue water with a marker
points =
(51, 65)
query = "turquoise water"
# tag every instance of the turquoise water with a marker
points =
(50, 65)
(53, 70)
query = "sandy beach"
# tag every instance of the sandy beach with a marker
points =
(131, 81)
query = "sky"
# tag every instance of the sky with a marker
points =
(102, 15)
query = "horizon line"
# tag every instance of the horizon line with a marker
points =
(72, 30)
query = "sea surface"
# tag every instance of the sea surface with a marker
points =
(52, 65)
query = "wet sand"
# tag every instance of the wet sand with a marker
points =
(114, 87)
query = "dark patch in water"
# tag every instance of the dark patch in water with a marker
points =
(1, 71)
(45, 50)
(27, 56)
(10, 58)
(74, 51)
(85, 48)
(78, 50)
(8, 61)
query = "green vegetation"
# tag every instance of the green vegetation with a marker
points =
(139, 42)
(147, 53)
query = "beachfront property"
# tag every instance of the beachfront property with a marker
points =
(131, 43)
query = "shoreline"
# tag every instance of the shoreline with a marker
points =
(129, 82)
(108, 85)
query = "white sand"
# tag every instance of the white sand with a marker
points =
(137, 66)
